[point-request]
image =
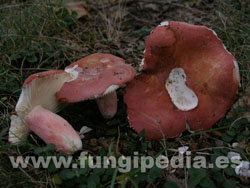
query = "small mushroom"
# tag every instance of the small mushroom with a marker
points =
(96, 76)
(53, 129)
(188, 80)
(38, 89)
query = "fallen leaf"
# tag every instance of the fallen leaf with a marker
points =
(152, 6)
(81, 8)
(244, 180)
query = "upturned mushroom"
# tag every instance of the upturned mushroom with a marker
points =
(96, 76)
(188, 81)
(36, 110)
(38, 89)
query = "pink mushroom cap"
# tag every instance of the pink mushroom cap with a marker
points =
(53, 129)
(95, 75)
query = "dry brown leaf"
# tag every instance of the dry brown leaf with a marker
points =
(152, 6)
(244, 180)
(244, 103)
(81, 8)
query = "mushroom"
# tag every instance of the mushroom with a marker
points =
(53, 129)
(38, 89)
(96, 76)
(188, 81)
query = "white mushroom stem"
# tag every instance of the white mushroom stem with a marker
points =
(108, 105)
(182, 96)
(18, 130)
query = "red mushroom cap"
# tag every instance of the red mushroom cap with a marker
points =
(95, 76)
(211, 72)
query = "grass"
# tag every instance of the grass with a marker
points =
(234, 31)
(34, 37)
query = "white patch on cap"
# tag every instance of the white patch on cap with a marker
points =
(164, 23)
(236, 70)
(110, 89)
(141, 65)
(182, 96)
(104, 60)
(73, 73)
